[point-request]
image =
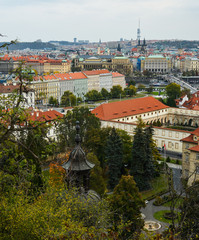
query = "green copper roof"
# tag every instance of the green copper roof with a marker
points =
(156, 56)
(81, 59)
(120, 58)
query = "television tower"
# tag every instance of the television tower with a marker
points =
(138, 32)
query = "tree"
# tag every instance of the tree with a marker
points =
(126, 203)
(68, 99)
(116, 91)
(105, 93)
(143, 165)
(114, 156)
(66, 129)
(97, 182)
(53, 101)
(131, 90)
(93, 95)
(173, 92)
(186, 91)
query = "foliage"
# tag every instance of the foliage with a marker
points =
(93, 95)
(56, 214)
(114, 156)
(126, 203)
(66, 129)
(53, 101)
(105, 94)
(173, 92)
(97, 181)
(131, 90)
(68, 99)
(143, 165)
(189, 223)
(116, 91)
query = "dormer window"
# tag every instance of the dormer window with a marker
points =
(195, 138)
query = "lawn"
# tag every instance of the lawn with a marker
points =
(158, 184)
(160, 216)
(179, 202)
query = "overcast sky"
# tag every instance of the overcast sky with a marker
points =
(29, 20)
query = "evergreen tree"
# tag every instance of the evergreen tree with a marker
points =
(139, 160)
(126, 203)
(150, 161)
(114, 156)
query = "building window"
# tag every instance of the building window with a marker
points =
(170, 145)
(186, 173)
(197, 156)
(186, 146)
(177, 135)
(187, 158)
(163, 133)
(170, 134)
(176, 145)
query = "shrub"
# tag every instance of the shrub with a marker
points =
(168, 159)
(158, 201)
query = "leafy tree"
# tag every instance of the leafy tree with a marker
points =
(116, 91)
(53, 101)
(126, 203)
(66, 128)
(173, 92)
(97, 182)
(114, 156)
(131, 90)
(105, 93)
(141, 86)
(93, 95)
(150, 89)
(68, 99)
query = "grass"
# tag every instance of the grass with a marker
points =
(158, 184)
(179, 202)
(160, 216)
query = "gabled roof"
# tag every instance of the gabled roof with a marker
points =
(114, 110)
(96, 72)
(45, 116)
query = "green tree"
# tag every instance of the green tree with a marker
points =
(68, 99)
(66, 129)
(105, 93)
(53, 101)
(97, 181)
(126, 203)
(116, 91)
(114, 156)
(93, 95)
(173, 92)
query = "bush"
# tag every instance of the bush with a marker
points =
(168, 159)
(158, 201)
(177, 161)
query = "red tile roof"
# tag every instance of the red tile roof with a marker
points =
(116, 74)
(195, 148)
(96, 72)
(45, 116)
(125, 108)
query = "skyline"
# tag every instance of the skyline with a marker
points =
(106, 20)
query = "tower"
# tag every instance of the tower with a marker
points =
(78, 167)
(138, 33)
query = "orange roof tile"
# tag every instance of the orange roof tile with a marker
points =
(116, 74)
(195, 148)
(125, 108)
(96, 72)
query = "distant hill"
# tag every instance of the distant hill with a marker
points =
(31, 45)
(177, 44)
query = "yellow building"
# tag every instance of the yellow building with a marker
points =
(192, 64)
(121, 64)
(156, 63)
(190, 157)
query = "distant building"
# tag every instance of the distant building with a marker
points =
(156, 63)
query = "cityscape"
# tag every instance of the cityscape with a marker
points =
(99, 131)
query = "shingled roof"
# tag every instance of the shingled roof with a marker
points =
(114, 110)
